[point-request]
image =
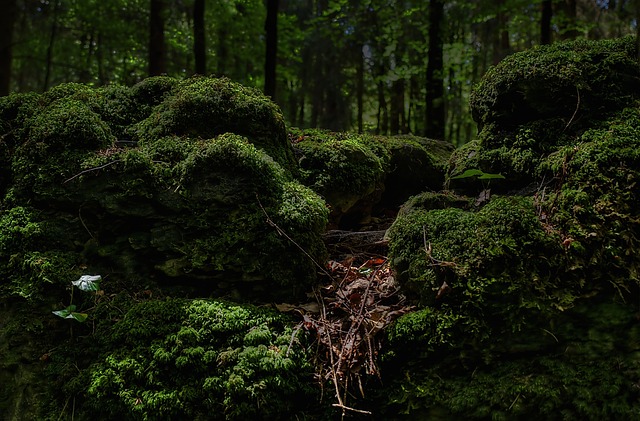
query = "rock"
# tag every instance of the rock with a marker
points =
(359, 174)
(529, 297)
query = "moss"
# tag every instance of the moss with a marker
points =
(342, 167)
(153, 90)
(196, 359)
(431, 201)
(586, 370)
(587, 76)
(32, 265)
(357, 173)
(497, 243)
(197, 209)
(203, 108)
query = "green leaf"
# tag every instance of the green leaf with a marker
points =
(486, 176)
(80, 317)
(468, 173)
(66, 312)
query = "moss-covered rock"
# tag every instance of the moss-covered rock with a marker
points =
(555, 81)
(356, 173)
(528, 301)
(538, 101)
(91, 186)
(204, 108)
(199, 211)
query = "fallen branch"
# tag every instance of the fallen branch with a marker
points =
(91, 169)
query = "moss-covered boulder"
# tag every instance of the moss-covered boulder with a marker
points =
(193, 210)
(181, 188)
(358, 173)
(528, 301)
(204, 108)
(537, 101)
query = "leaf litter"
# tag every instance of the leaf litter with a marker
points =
(347, 318)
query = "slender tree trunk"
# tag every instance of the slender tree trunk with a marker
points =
(383, 115)
(636, 6)
(360, 87)
(398, 118)
(222, 51)
(7, 22)
(568, 23)
(157, 47)
(501, 44)
(435, 116)
(545, 21)
(52, 38)
(199, 38)
(270, 62)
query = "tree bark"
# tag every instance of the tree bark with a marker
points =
(545, 21)
(435, 116)
(157, 48)
(199, 39)
(568, 24)
(360, 87)
(52, 38)
(271, 57)
(7, 22)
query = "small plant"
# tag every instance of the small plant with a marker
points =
(485, 178)
(84, 283)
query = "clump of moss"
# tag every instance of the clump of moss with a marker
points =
(203, 108)
(342, 167)
(196, 359)
(32, 261)
(543, 99)
(550, 81)
(357, 172)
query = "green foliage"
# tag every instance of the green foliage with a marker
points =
(196, 359)
(28, 261)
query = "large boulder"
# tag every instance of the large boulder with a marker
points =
(179, 188)
(528, 299)
(535, 102)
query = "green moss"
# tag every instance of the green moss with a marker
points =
(552, 81)
(355, 172)
(30, 262)
(196, 359)
(342, 167)
(206, 107)
(586, 370)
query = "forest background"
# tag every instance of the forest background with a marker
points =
(382, 66)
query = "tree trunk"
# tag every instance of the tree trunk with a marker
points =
(222, 51)
(435, 117)
(545, 21)
(199, 44)
(568, 23)
(52, 38)
(383, 116)
(360, 87)
(398, 118)
(271, 32)
(7, 22)
(157, 48)
(501, 44)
